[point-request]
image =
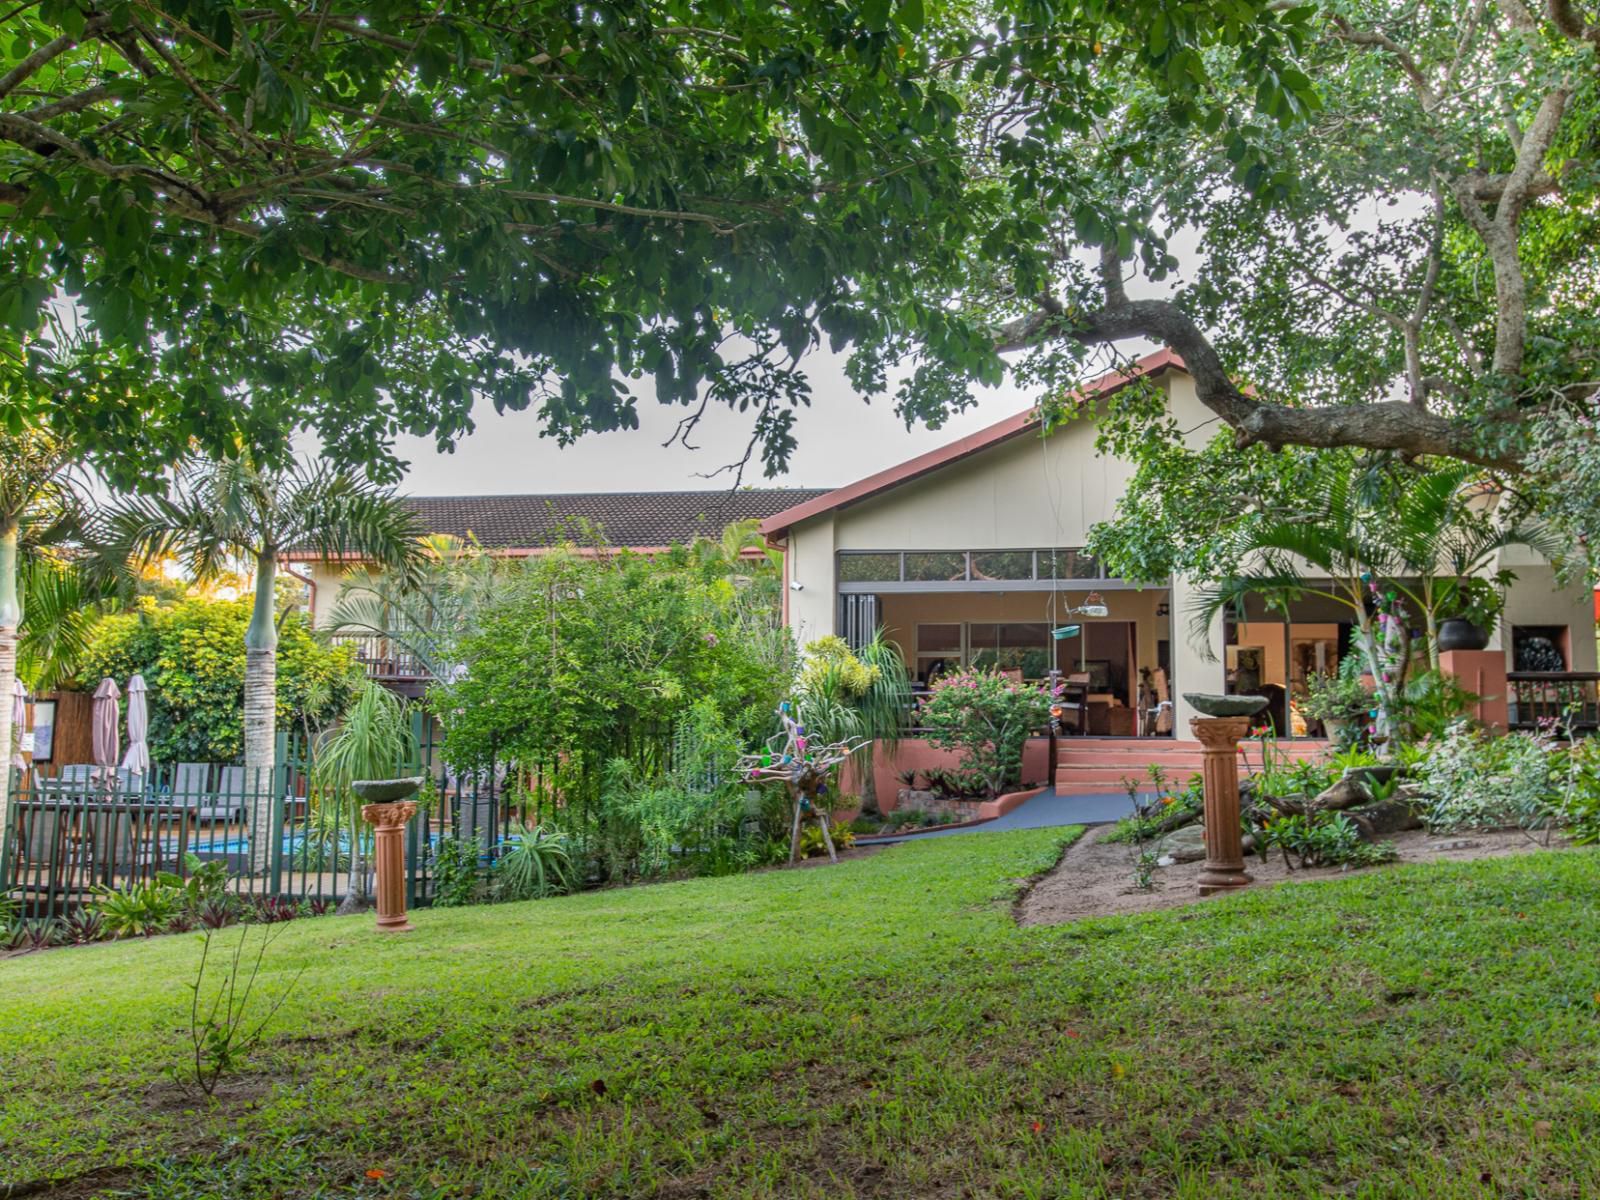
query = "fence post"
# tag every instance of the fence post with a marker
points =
(14, 818)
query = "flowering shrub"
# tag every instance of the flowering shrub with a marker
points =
(987, 718)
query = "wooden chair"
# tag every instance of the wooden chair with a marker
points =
(1158, 714)
(1072, 706)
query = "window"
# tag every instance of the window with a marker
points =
(869, 568)
(1002, 564)
(939, 565)
(938, 648)
(1010, 646)
(1068, 563)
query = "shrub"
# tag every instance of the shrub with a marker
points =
(1477, 780)
(457, 872)
(538, 864)
(139, 909)
(1338, 695)
(192, 656)
(987, 718)
(1321, 840)
(1430, 704)
(84, 926)
(812, 845)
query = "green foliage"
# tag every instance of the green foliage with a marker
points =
(458, 876)
(689, 811)
(534, 863)
(528, 205)
(1431, 703)
(138, 909)
(812, 845)
(1321, 840)
(221, 1034)
(1473, 779)
(1339, 695)
(192, 657)
(1580, 806)
(204, 883)
(987, 718)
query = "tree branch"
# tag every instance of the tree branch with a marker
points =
(1394, 425)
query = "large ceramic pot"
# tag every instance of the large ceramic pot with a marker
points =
(1460, 634)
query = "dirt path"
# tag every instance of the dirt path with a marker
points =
(1095, 878)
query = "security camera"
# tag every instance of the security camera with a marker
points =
(797, 586)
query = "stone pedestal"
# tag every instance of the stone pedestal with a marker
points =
(1224, 865)
(389, 856)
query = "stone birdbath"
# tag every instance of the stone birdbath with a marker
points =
(1224, 721)
(387, 806)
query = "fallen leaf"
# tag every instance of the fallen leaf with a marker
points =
(598, 1087)
(376, 1173)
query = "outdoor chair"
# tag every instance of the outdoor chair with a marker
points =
(1158, 710)
(1072, 706)
(230, 797)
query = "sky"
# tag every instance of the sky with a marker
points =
(841, 438)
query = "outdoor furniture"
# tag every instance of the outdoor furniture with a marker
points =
(1072, 706)
(230, 796)
(1157, 705)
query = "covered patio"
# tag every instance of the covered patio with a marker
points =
(1044, 615)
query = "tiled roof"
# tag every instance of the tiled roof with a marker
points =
(638, 519)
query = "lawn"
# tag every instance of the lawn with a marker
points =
(880, 1028)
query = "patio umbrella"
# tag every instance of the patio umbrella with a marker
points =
(137, 759)
(104, 723)
(19, 722)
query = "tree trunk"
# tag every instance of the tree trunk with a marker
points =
(261, 714)
(10, 618)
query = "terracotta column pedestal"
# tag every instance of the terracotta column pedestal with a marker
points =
(1224, 865)
(389, 857)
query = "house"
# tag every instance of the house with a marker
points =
(515, 526)
(972, 554)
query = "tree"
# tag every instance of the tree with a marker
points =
(363, 220)
(36, 483)
(192, 656)
(221, 510)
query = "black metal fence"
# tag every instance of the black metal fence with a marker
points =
(73, 830)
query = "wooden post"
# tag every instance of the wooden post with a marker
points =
(389, 853)
(1219, 738)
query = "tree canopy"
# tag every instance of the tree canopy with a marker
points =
(360, 218)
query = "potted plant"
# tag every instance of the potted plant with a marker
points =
(1477, 606)
(1339, 699)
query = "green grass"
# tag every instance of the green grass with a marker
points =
(877, 1029)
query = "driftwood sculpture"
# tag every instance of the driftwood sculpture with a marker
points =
(804, 769)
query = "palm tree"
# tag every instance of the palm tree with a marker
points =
(36, 489)
(1371, 534)
(1444, 522)
(219, 510)
(426, 616)
(374, 741)
(1339, 539)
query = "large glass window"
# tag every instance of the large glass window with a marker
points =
(1002, 564)
(869, 568)
(1010, 646)
(937, 566)
(1068, 563)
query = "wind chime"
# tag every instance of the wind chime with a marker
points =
(790, 759)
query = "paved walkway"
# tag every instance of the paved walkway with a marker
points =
(1041, 812)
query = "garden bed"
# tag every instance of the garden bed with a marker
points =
(1095, 877)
